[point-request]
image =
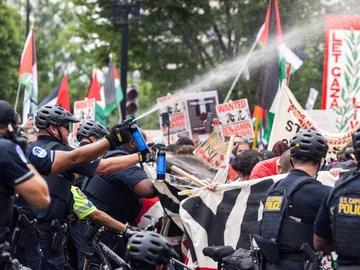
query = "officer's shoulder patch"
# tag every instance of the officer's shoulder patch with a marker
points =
(81, 194)
(21, 154)
(39, 152)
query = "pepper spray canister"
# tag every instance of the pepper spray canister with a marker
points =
(161, 164)
(139, 139)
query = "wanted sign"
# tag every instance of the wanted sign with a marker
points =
(235, 119)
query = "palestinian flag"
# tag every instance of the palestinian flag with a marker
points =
(113, 94)
(94, 92)
(60, 95)
(277, 58)
(28, 75)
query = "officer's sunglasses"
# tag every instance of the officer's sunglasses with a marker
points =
(66, 126)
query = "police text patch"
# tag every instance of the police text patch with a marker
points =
(273, 203)
(39, 152)
(349, 206)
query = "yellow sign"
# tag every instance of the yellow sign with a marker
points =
(349, 206)
(273, 203)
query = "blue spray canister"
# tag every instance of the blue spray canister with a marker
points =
(139, 139)
(161, 164)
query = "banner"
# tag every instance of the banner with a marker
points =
(341, 79)
(197, 107)
(174, 105)
(83, 110)
(324, 119)
(212, 151)
(227, 216)
(235, 119)
(290, 118)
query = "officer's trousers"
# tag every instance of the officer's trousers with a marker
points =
(285, 265)
(31, 256)
(52, 259)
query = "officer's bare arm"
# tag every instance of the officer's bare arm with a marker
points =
(104, 219)
(145, 188)
(115, 164)
(66, 160)
(35, 190)
(321, 244)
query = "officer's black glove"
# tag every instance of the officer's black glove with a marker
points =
(119, 135)
(147, 156)
(130, 231)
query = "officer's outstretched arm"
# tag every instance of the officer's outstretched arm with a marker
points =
(321, 244)
(35, 190)
(67, 160)
(115, 164)
(104, 219)
(64, 160)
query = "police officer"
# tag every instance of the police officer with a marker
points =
(88, 132)
(16, 175)
(149, 250)
(338, 220)
(292, 203)
(53, 123)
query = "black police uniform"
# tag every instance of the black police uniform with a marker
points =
(82, 179)
(113, 193)
(338, 220)
(60, 192)
(297, 224)
(13, 171)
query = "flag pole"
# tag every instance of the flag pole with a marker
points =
(256, 131)
(17, 97)
(240, 71)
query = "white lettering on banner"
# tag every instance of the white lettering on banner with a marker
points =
(290, 118)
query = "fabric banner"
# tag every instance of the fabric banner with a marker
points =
(212, 151)
(174, 105)
(227, 216)
(290, 118)
(235, 119)
(341, 79)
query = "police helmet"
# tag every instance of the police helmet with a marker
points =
(7, 113)
(356, 144)
(308, 145)
(53, 115)
(149, 248)
(89, 128)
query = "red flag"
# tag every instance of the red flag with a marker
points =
(63, 96)
(94, 89)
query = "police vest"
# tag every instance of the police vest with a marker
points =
(276, 222)
(344, 206)
(125, 208)
(59, 187)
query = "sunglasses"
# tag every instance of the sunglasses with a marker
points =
(66, 126)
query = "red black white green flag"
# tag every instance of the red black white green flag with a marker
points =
(58, 96)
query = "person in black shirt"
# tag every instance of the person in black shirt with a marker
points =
(291, 205)
(338, 220)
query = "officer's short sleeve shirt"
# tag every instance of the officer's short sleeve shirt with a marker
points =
(322, 227)
(82, 206)
(14, 168)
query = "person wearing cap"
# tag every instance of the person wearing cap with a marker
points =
(16, 175)
(53, 123)
(338, 220)
(291, 205)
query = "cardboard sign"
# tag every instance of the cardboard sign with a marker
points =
(174, 105)
(197, 107)
(290, 118)
(212, 151)
(341, 74)
(83, 110)
(235, 119)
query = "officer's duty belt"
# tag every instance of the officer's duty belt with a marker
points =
(294, 256)
(45, 226)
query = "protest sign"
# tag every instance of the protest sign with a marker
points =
(324, 119)
(235, 119)
(197, 107)
(341, 73)
(212, 151)
(83, 110)
(174, 105)
(290, 118)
